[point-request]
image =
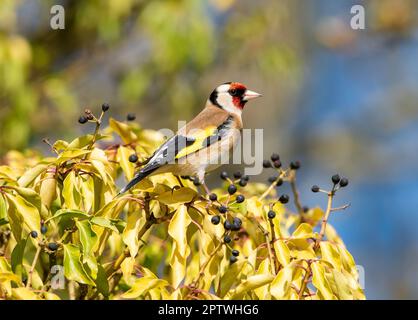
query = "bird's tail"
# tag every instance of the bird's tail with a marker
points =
(137, 178)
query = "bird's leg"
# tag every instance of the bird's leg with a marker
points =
(180, 182)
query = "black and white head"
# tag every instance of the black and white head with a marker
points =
(232, 96)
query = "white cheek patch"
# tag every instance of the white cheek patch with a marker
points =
(225, 100)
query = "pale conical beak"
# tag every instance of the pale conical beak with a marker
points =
(249, 95)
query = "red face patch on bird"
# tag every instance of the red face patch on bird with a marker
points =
(232, 96)
(237, 91)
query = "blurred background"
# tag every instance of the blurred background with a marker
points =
(340, 100)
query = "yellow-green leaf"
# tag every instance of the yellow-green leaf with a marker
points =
(177, 229)
(3, 211)
(320, 282)
(30, 216)
(73, 267)
(280, 287)
(30, 175)
(251, 283)
(177, 196)
(282, 252)
(123, 159)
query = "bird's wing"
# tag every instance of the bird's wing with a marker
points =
(182, 145)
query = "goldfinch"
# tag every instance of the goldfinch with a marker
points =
(199, 146)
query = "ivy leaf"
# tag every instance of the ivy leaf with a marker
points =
(68, 214)
(128, 167)
(177, 229)
(71, 192)
(130, 235)
(280, 287)
(320, 282)
(177, 196)
(123, 130)
(303, 231)
(24, 294)
(73, 268)
(88, 237)
(3, 211)
(31, 196)
(231, 275)
(17, 258)
(251, 283)
(105, 223)
(101, 281)
(282, 252)
(330, 254)
(144, 285)
(28, 215)
(84, 141)
(30, 175)
(71, 154)
(60, 145)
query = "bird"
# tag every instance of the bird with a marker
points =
(198, 147)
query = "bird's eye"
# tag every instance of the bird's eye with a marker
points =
(233, 92)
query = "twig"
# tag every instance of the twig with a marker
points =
(125, 254)
(203, 267)
(32, 268)
(273, 237)
(295, 192)
(341, 208)
(272, 185)
(305, 281)
(325, 219)
(272, 264)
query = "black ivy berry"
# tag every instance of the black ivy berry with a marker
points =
(336, 178)
(233, 259)
(227, 225)
(284, 198)
(240, 198)
(279, 182)
(227, 239)
(245, 178)
(196, 182)
(237, 223)
(82, 119)
(232, 189)
(266, 164)
(242, 182)
(237, 175)
(133, 158)
(224, 175)
(277, 164)
(222, 209)
(215, 220)
(33, 234)
(105, 107)
(271, 214)
(213, 197)
(295, 165)
(52, 246)
(235, 227)
(305, 209)
(235, 253)
(44, 229)
(275, 157)
(315, 188)
(272, 179)
(131, 117)
(343, 182)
